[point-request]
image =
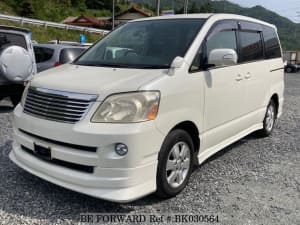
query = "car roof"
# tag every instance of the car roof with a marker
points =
(11, 28)
(215, 16)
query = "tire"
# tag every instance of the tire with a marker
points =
(288, 70)
(269, 120)
(15, 99)
(175, 164)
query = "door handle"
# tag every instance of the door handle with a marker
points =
(248, 75)
(239, 77)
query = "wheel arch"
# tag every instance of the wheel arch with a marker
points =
(275, 99)
(191, 128)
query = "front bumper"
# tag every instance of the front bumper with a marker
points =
(115, 178)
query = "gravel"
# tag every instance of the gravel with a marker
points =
(254, 181)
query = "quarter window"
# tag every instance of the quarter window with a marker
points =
(251, 46)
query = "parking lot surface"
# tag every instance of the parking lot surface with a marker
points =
(254, 181)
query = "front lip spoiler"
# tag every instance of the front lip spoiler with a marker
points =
(122, 195)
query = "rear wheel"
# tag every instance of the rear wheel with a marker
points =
(269, 120)
(175, 163)
(289, 70)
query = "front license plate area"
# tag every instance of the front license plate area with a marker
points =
(42, 152)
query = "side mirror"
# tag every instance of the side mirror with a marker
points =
(177, 63)
(222, 57)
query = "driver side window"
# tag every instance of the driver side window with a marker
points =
(223, 39)
(218, 38)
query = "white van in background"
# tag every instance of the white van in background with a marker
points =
(125, 126)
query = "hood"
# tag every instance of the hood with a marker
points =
(102, 81)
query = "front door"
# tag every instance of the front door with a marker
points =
(224, 88)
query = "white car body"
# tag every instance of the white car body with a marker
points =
(222, 105)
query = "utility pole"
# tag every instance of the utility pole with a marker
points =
(157, 7)
(113, 15)
(186, 6)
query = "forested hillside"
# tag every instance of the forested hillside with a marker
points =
(58, 10)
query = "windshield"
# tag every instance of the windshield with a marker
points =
(143, 44)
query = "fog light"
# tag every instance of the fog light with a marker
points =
(121, 149)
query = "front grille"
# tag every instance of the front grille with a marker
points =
(59, 106)
(69, 165)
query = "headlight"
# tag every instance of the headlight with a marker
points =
(128, 108)
(24, 95)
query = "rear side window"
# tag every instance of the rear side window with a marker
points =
(251, 46)
(69, 54)
(7, 40)
(43, 54)
(271, 43)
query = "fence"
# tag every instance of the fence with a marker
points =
(23, 20)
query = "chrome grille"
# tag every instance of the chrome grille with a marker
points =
(55, 105)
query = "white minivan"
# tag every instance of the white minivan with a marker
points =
(176, 90)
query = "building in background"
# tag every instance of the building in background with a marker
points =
(133, 12)
(88, 21)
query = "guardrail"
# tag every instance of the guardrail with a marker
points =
(23, 20)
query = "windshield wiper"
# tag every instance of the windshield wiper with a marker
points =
(134, 66)
(103, 65)
(154, 67)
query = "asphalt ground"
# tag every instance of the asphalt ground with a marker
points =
(254, 181)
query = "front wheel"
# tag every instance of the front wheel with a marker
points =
(175, 163)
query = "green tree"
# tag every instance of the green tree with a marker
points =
(206, 8)
(94, 4)
(27, 9)
(108, 4)
(194, 8)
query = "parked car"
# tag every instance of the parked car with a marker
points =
(119, 125)
(17, 62)
(51, 55)
(291, 68)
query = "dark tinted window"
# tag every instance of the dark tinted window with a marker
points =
(43, 54)
(271, 43)
(69, 54)
(7, 40)
(251, 46)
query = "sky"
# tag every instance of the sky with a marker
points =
(286, 8)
